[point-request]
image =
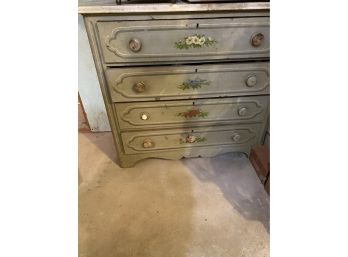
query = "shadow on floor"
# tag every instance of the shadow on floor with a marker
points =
(104, 141)
(236, 178)
(231, 172)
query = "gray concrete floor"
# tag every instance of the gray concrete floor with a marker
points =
(202, 207)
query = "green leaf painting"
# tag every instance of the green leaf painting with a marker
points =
(194, 83)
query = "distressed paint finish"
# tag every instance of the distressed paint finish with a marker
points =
(187, 82)
(88, 84)
(207, 136)
(163, 138)
(167, 114)
(231, 39)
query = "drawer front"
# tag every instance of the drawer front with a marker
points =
(147, 141)
(176, 40)
(187, 82)
(187, 113)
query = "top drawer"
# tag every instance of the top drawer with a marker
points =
(183, 40)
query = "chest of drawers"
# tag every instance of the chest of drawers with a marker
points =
(180, 84)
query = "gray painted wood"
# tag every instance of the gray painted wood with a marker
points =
(176, 40)
(207, 112)
(136, 144)
(267, 139)
(185, 139)
(88, 84)
(267, 136)
(187, 82)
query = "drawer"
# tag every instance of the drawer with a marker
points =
(187, 112)
(182, 40)
(147, 141)
(187, 81)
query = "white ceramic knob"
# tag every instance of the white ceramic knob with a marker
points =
(144, 116)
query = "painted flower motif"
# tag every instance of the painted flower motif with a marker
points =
(191, 139)
(201, 41)
(188, 41)
(194, 83)
(193, 113)
(195, 40)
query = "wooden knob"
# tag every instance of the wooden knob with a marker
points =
(139, 87)
(148, 143)
(236, 137)
(251, 81)
(242, 111)
(257, 39)
(135, 44)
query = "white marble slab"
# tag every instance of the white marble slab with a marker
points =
(107, 6)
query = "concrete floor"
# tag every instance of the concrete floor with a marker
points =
(203, 207)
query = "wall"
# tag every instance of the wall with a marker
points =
(89, 90)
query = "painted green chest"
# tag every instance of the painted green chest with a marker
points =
(182, 84)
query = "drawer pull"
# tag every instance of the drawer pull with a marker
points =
(193, 114)
(251, 81)
(195, 41)
(135, 44)
(242, 111)
(148, 143)
(144, 116)
(236, 137)
(139, 87)
(257, 39)
(191, 139)
(194, 83)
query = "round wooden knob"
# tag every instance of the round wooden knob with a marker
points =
(139, 87)
(135, 44)
(242, 111)
(251, 81)
(236, 137)
(148, 143)
(257, 39)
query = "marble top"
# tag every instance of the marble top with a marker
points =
(110, 7)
